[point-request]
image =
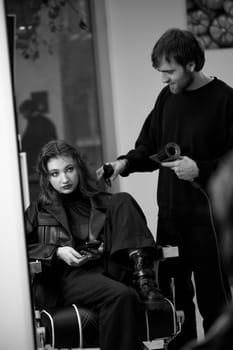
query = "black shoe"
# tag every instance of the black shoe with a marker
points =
(149, 294)
(145, 281)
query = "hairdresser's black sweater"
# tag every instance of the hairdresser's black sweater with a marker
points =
(201, 123)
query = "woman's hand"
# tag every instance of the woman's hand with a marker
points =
(73, 258)
(96, 253)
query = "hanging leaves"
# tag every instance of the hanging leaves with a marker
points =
(32, 15)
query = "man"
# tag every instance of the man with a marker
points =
(40, 129)
(194, 111)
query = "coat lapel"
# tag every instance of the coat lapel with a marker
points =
(99, 207)
(58, 211)
(96, 223)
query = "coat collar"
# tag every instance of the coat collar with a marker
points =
(57, 210)
(99, 205)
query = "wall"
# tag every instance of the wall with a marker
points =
(16, 323)
(133, 26)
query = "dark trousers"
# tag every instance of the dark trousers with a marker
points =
(102, 286)
(116, 303)
(198, 255)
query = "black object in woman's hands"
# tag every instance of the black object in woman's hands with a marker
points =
(108, 171)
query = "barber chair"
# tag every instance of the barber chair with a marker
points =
(75, 327)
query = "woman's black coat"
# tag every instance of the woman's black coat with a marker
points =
(47, 228)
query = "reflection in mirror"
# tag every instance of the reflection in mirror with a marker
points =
(55, 80)
(55, 88)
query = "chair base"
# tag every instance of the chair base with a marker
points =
(75, 327)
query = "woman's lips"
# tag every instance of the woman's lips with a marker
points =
(66, 187)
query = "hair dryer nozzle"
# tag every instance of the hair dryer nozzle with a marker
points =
(170, 152)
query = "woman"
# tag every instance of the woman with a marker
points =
(71, 213)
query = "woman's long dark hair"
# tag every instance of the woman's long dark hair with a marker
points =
(56, 148)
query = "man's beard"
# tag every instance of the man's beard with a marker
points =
(183, 85)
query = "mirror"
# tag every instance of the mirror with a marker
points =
(55, 78)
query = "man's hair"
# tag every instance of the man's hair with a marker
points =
(28, 106)
(180, 45)
(60, 148)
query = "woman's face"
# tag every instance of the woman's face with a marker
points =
(63, 174)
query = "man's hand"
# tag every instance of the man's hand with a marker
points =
(118, 167)
(185, 168)
(71, 257)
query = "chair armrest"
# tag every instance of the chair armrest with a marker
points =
(164, 252)
(170, 252)
(35, 267)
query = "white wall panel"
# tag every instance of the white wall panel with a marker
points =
(16, 326)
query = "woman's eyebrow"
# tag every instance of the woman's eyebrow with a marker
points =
(70, 164)
(67, 166)
(53, 170)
